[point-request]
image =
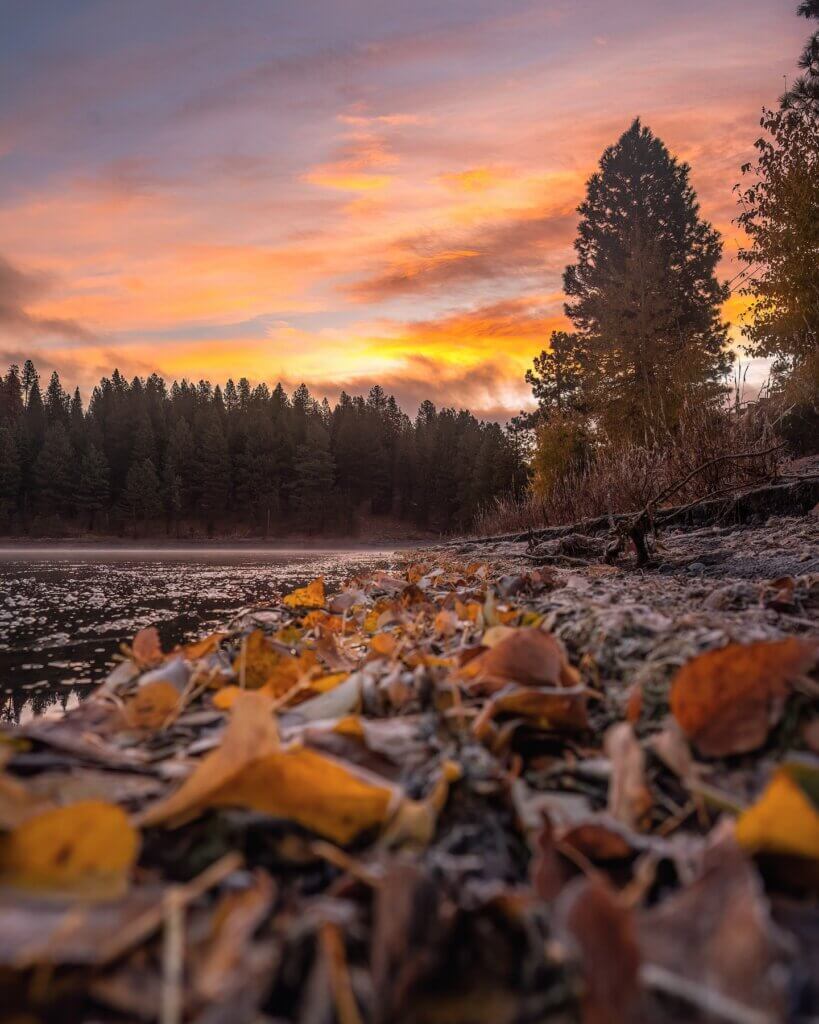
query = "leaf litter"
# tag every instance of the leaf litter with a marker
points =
(436, 794)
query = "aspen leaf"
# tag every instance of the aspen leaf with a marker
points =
(251, 733)
(146, 649)
(311, 596)
(256, 661)
(629, 798)
(316, 791)
(727, 701)
(152, 706)
(525, 656)
(783, 821)
(87, 847)
(201, 648)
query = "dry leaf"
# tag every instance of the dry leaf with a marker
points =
(312, 789)
(311, 596)
(88, 847)
(203, 647)
(526, 656)
(629, 798)
(146, 650)
(783, 821)
(727, 701)
(256, 661)
(605, 932)
(250, 734)
(543, 709)
(717, 933)
(153, 706)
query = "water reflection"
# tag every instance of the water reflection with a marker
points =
(64, 613)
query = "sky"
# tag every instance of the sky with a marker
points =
(343, 193)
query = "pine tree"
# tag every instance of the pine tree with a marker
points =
(141, 497)
(643, 294)
(780, 217)
(803, 96)
(29, 379)
(556, 378)
(9, 473)
(92, 492)
(55, 471)
(314, 471)
(57, 402)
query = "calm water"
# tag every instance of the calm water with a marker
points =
(63, 613)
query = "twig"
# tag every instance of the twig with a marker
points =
(708, 1000)
(731, 456)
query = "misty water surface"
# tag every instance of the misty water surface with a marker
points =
(63, 612)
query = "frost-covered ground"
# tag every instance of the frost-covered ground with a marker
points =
(63, 614)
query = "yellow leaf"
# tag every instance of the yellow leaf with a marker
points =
(784, 820)
(225, 698)
(202, 647)
(329, 682)
(383, 645)
(311, 596)
(314, 790)
(153, 706)
(256, 661)
(250, 734)
(88, 847)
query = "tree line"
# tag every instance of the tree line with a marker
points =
(648, 341)
(144, 457)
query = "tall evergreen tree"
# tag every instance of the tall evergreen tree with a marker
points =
(54, 472)
(9, 473)
(556, 378)
(780, 217)
(804, 93)
(643, 294)
(93, 486)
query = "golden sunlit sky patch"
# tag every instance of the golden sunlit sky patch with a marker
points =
(342, 193)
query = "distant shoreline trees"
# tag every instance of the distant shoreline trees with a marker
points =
(145, 458)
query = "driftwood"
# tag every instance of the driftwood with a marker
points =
(794, 497)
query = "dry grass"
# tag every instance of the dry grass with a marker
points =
(623, 478)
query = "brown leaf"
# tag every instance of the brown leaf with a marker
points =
(526, 656)
(717, 934)
(605, 933)
(146, 650)
(727, 701)
(257, 661)
(154, 706)
(629, 798)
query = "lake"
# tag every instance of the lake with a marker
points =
(64, 612)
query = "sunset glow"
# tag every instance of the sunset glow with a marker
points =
(342, 193)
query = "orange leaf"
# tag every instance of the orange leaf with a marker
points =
(256, 661)
(727, 701)
(311, 596)
(316, 791)
(153, 706)
(146, 649)
(526, 656)
(250, 734)
(87, 847)
(203, 647)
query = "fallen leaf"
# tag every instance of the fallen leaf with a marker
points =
(727, 701)
(256, 662)
(311, 596)
(251, 734)
(605, 933)
(153, 706)
(526, 656)
(312, 789)
(629, 799)
(203, 647)
(544, 709)
(146, 649)
(717, 933)
(783, 821)
(88, 848)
